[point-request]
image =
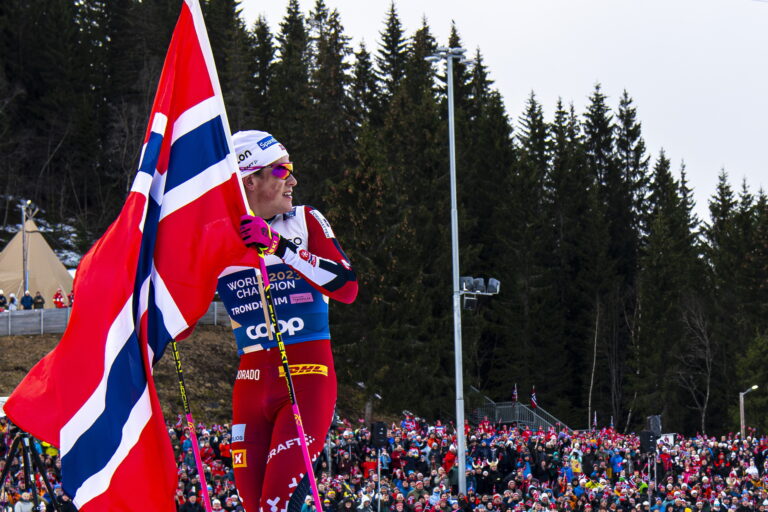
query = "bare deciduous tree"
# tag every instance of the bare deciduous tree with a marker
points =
(697, 360)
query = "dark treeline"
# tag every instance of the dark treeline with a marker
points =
(614, 295)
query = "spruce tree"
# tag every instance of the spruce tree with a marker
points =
(234, 62)
(526, 186)
(676, 344)
(262, 51)
(576, 254)
(364, 94)
(751, 365)
(291, 92)
(632, 160)
(618, 278)
(488, 133)
(385, 200)
(392, 54)
(329, 127)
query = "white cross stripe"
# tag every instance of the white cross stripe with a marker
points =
(195, 187)
(119, 333)
(158, 186)
(195, 116)
(172, 318)
(97, 483)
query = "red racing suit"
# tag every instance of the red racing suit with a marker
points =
(307, 269)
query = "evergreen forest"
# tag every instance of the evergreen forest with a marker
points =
(614, 297)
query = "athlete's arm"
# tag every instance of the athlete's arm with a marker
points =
(324, 265)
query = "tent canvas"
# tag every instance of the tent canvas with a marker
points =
(46, 272)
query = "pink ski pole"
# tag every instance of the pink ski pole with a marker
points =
(191, 425)
(270, 307)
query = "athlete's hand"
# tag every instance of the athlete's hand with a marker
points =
(256, 233)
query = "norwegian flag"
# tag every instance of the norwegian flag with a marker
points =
(148, 279)
(514, 393)
(533, 397)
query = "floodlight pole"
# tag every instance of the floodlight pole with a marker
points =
(24, 248)
(448, 55)
(741, 408)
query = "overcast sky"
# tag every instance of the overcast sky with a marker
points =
(696, 69)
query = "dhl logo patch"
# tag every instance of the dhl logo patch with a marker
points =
(306, 369)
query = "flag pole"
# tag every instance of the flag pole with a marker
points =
(191, 424)
(265, 289)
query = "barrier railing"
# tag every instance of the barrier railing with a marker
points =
(54, 321)
(515, 412)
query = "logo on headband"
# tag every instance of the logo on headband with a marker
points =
(242, 156)
(267, 142)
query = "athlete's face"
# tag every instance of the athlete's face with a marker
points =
(267, 194)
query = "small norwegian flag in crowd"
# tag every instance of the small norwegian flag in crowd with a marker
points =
(534, 404)
(514, 393)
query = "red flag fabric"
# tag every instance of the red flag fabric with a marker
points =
(148, 279)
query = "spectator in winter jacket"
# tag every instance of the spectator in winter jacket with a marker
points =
(192, 504)
(27, 301)
(24, 504)
(58, 299)
(38, 302)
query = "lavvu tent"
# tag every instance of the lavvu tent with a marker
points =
(46, 272)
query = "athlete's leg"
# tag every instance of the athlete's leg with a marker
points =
(314, 380)
(251, 426)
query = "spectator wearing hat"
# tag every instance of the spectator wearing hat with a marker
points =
(237, 505)
(206, 451)
(58, 299)
(3, 301)
(180, 497)
(38, 302)
(27, 301)
(225, 450)
(365, 504)
(346, 505)
(416, 491)
(65, 504)
(192, 504)
(328, 506)
(13, 303)
(308, 505)
(369, 465)
(24, 504)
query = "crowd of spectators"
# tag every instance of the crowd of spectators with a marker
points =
(28, 301)
(508, 469)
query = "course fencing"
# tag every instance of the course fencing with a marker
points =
(54, 321)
